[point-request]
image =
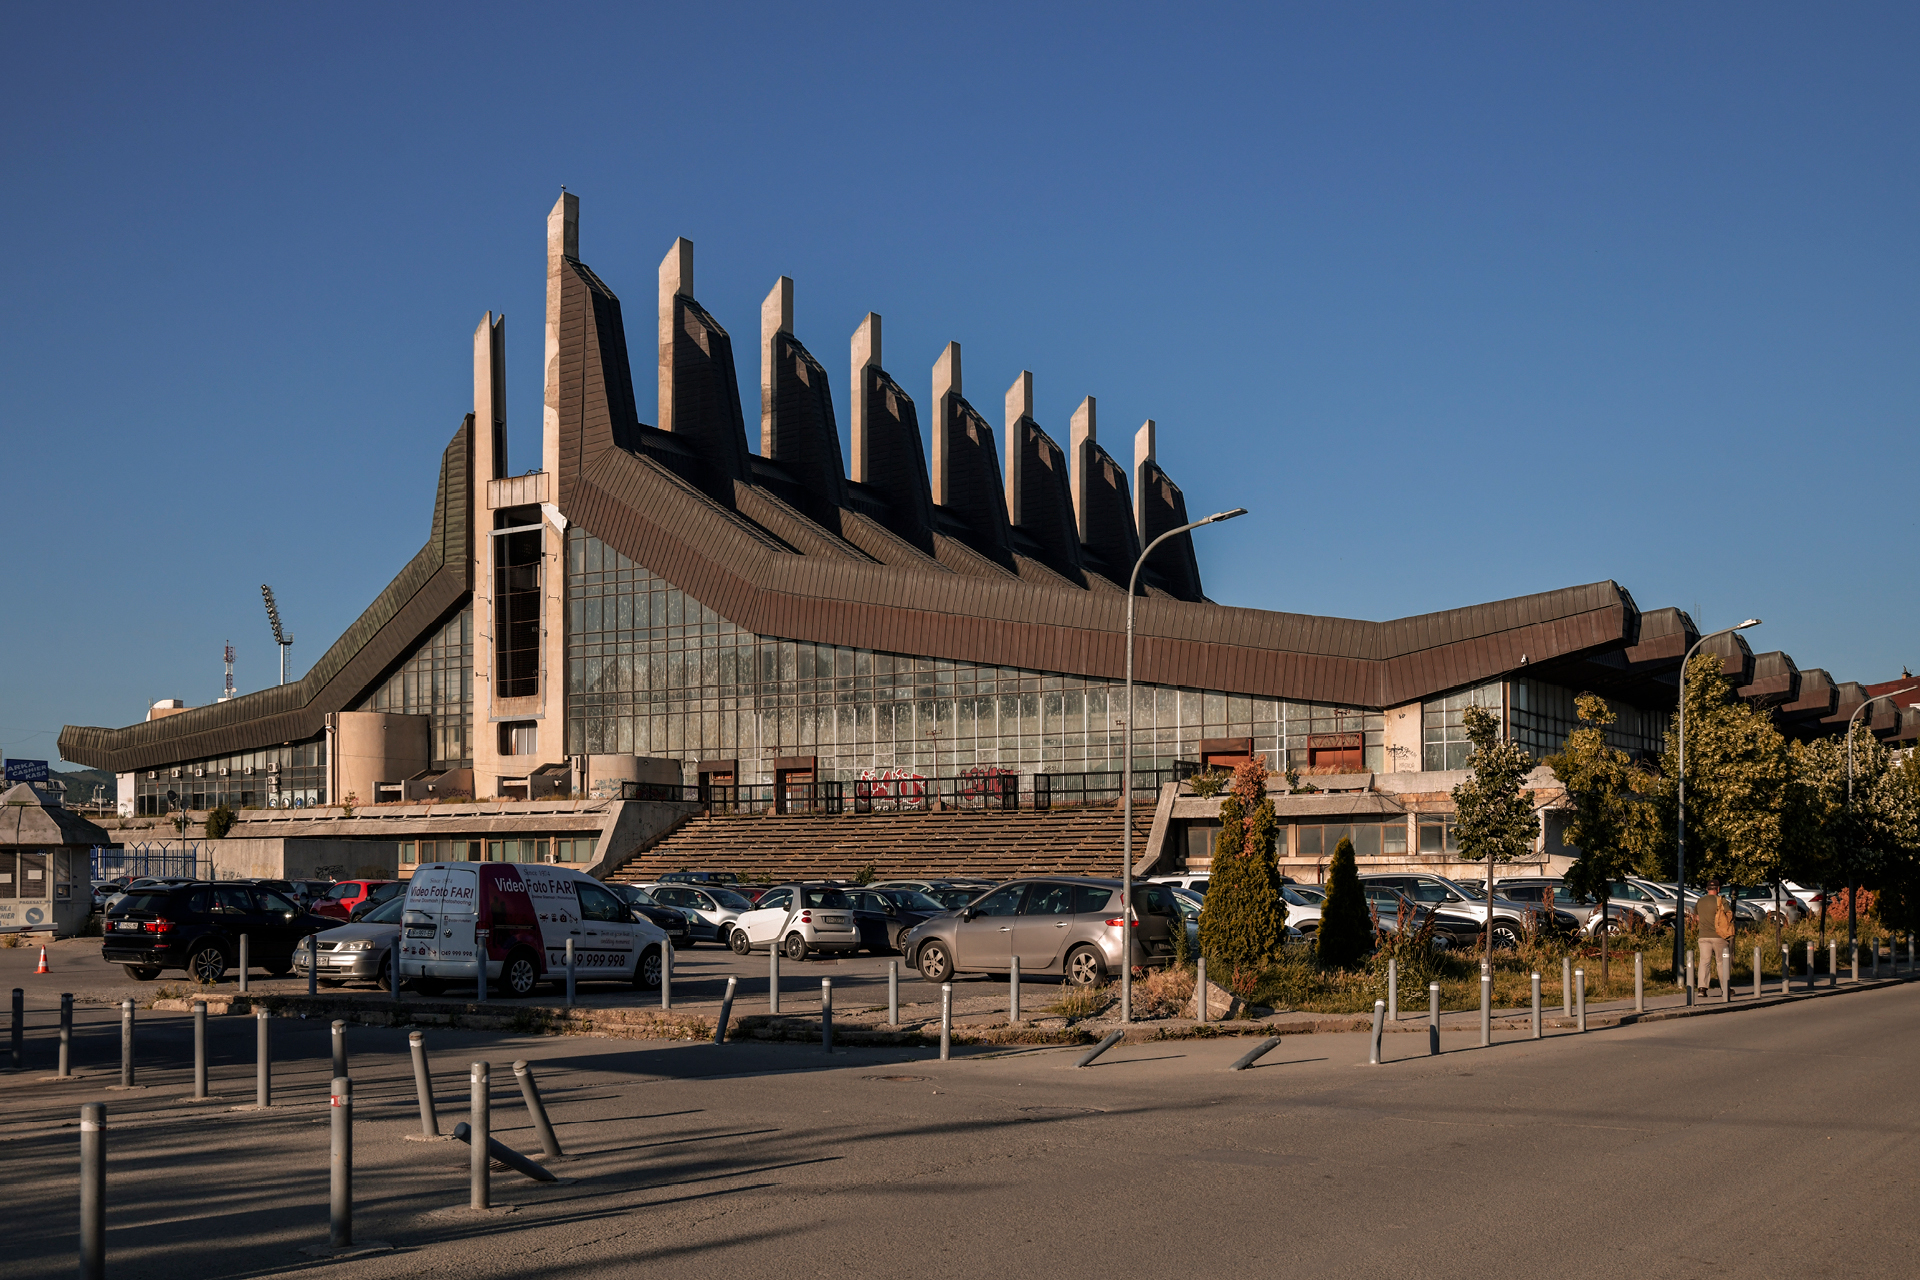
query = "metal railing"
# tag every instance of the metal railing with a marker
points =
(1079, 790)
(985, 790)
(137, 860)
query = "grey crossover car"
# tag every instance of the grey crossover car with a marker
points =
(1065, 925)
(357, 952)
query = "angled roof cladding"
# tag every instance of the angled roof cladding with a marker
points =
(896, 462)
(804, 437)
(1045, 492)
(706, 413)
(437, 581)
(973, 480)
(597, 410)
(1164, 507)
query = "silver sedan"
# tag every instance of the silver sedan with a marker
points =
(710, 909)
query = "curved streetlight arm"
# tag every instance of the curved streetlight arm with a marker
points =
(1680, 823)
(1126, 773)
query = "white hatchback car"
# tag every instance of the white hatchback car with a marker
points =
(710, 909)
(798, 919)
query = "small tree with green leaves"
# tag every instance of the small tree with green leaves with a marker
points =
(1493, 816)
(219, 822)
(1245, 923)
(1601, 781)
(1346, 925)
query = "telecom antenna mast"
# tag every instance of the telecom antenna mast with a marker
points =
(227, 695)
(280, 638)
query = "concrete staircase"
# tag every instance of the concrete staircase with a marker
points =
(780, 847)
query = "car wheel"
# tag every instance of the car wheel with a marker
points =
(1085, 968)
(521, 973)
(384, 979)
(646, 974)
(935, 964)
(737, 940)
(1776, 917)
(430, 987)
(142, 972)
(207, 965)
(1506, 935)
(796, 947)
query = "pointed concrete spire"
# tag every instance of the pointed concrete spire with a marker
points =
(1019, 405)
(946, 389)
(490, 398)
(563, 242)
(1142, 455)
(676, 278)
(1082, 434)
(776, 317)
(866, 354)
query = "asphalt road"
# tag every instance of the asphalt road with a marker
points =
(1774, 1142)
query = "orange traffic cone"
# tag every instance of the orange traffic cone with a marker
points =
(43, 961)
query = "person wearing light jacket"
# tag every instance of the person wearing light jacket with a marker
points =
(1715, 915)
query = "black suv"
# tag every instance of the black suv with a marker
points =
(197, 927)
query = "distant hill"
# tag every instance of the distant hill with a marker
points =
(80, 783)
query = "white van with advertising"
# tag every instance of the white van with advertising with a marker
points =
(525, 913)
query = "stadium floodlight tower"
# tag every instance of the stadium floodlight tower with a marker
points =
(280, 637)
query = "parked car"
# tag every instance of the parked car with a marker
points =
(1197, 883)
(532, 910)
(1069, 925)
(1760, 897)
(1192, 903)
(145, 882)
(710, 910)
(882, 915)
(1303, 912)
(102, 891)
(669, 920)
(308, 892)
(380, 893)
(800, 919)
(1428, 889)
(360, 951)
(1543, 893)
(728, 878)
(1312, 894)
(1392, 908)
(343, 897)
(1809, 898)
(197, 925)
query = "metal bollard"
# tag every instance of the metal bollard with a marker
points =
(19, 1054)
(1639, 982)
(1486, 1008)
(537, 1110)
(126, 1044)
(1013, 993)
(93, 1191)
(1810, 964)
(1786, 969)
(1086, 1059)
(263, 1061)
(479, 1098)
(893, 993)
(570, 973)
(483, 946)
(66, 1034)
(1756, 973)
(1853, 950)
(340, 1202)
(423, 1084)
(1580, 997)
(726, 1012)
(1873, 956)
(946, 1021)
(666, 975)
(1200, 990)
(497, 1150)
(1373, 1046)
(1254, 1054)
(393, 967)
(339, 1046)
(1692, 974)
(1833, 962)
(1433, 1019)
(1726, 973)
(826, 1014)
(199, 1050)
(1393, 990)
(773, 978)
(246, 960)
(1566, 987)
(313, 964)
(1536, 1006)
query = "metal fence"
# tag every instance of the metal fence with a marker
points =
(979, 790)
(178, 858)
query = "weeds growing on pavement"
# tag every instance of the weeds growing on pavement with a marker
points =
(1081, 1002)
(1164, 993)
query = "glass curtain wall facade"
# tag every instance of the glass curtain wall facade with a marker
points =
(289, 777)
(651, 671)
(437, 681)
(1538, 716)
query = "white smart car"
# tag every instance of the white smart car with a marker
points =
(799, 919)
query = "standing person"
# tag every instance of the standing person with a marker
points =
(1715, 915)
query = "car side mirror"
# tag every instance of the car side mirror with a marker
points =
(966, 913)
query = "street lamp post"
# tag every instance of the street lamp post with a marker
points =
(1680, 832)
(1853, 906)
(1126, 774)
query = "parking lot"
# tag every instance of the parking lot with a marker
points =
(1774, 1143)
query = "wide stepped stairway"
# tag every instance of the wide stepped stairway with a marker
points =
(777, 847)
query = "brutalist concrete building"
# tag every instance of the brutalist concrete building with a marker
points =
(934, 620)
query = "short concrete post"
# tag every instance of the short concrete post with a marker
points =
(479, 1101)
(199, 1050)
(1566, 986)
(1580, 997)
(1639, 982)
(666, 975)
(1536, 1006)
(1393, 990)
(1013, 993)
(1373, 1047)
(340, 1202)
(536, 1110)
(1786, 969)
(893, 993)
(423, 1084)
(726, 1012)
(313, 964)
(1756, 973)
(263, 1061)
(773, 977)
(66, 1035)
(246, 960)
(1833, 962)
(126, 1044)
(1433, 1018)
(1200, 990)
(1853, 951)
(339, 1047)
(1486, 1008)
(19, 1039)
(946, 1021)
(93, 1191)
(826, 1014)
(570, 974)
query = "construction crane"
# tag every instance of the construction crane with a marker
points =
(280, 637)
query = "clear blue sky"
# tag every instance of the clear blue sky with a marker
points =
(1462, 301)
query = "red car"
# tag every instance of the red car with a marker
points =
(339, 901)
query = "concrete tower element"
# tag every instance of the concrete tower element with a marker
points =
(1142, 454)
(1102, 509)
(1082, 430)
(946, 393)
(589, 393)
(966, 466)
(776, 317)
(1039, 493)
(699, 394)
(1019, 409)
(490, 398)
(563, 243)
(865, 355)
(1159, 506)
(676, 279)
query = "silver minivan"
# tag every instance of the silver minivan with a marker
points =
(1066, 925)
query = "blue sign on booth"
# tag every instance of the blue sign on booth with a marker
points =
(26, 771)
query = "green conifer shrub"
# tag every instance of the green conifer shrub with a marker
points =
(1244, 925)
(1346, 926)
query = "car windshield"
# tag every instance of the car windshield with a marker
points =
(142, 900)
(1292, 898)
(387, 912)
(637, 896)
(912, 900)
(727, 898)
(953, 898)
(826, 898)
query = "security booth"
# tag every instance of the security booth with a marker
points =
(44, 852)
